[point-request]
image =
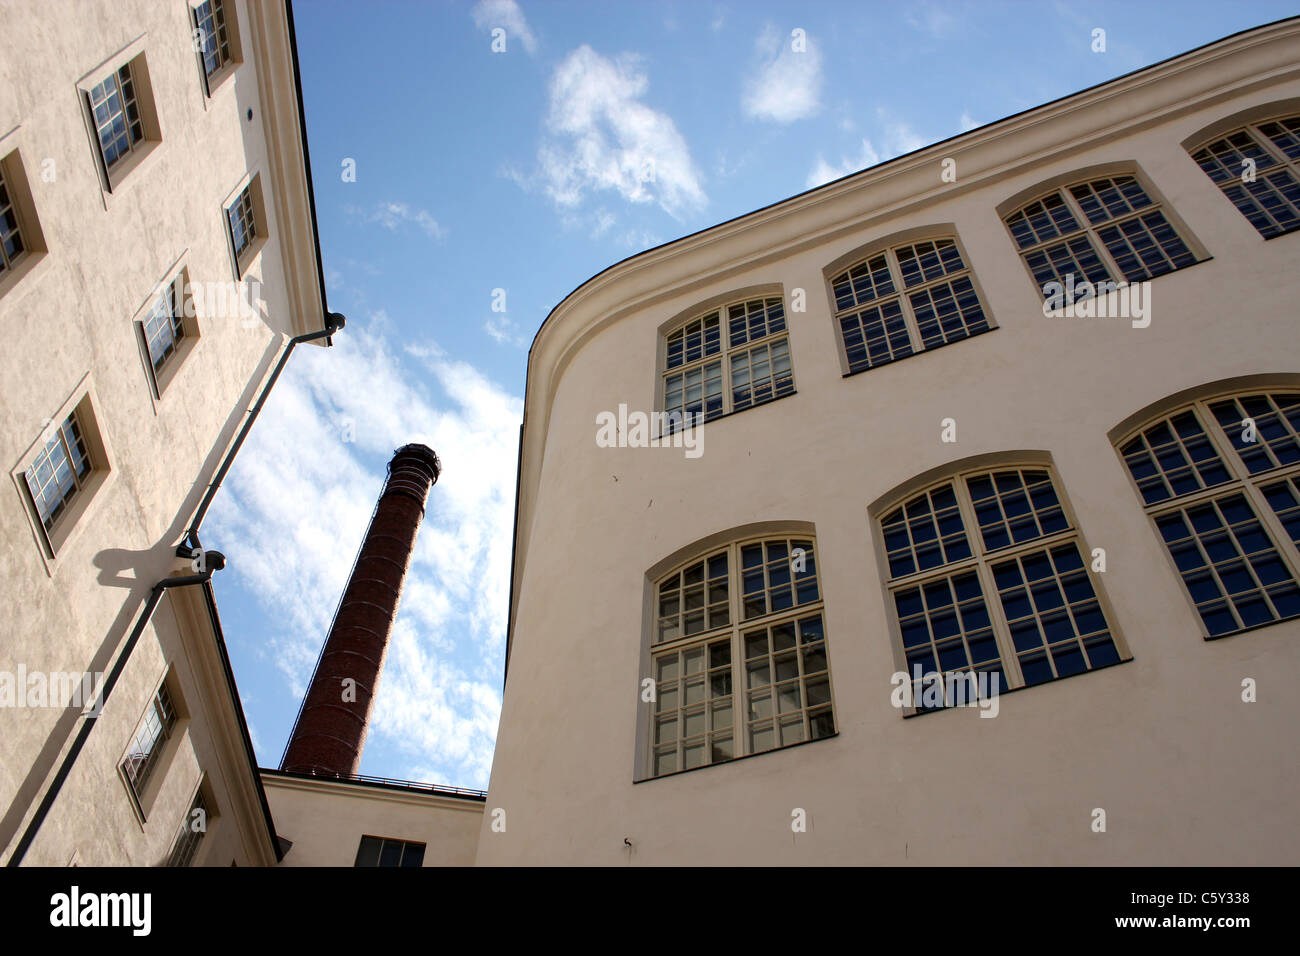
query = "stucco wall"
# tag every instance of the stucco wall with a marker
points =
(1187, 772)
(326, 820)
(68, 325)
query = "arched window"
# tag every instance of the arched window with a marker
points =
(986, 576)
(1100, 230)
(727, 359)
(906, 299)
(738, 655)
(1221, 480)
(1258, 168)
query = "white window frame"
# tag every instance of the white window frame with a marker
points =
(133, 58)
(981, 561)
(23, 206)
(727, 352)
(243, 260)
(1241, 481)
(1061, 187)
(889, 249)
(54, 541)
(224, 15)
(1283, 163)
(737, 668)
(184, 308)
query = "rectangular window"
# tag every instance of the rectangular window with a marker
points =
(147, 744)
(190, 833)
(245, 214)
(11, 236)
(243, 227)
(213, 37)
(163, 326)
(59, 471)
(116, 114)
(216, 42)
(383, 851)
(121, 115)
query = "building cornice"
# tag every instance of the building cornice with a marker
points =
(274, 54)
(363, 790)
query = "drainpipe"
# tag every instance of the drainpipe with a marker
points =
(190, 548)
(213, 561)
(333, 322)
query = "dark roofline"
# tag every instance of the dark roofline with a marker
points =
(306, 162)
(382, 783)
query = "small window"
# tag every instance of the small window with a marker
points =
(246, 224)
(117, 115)
(147, 744)
(726, 360)
(21, 241)
(1270, 200)
(167, 328)
(59, 471)
(12, 246)
(1102, 230)
(739, 656)
(383, 851)
(190, 834)
(62, 472)
(122, 117)
(216, 41)
(1220, 479)
(904, 300)
(987, 576)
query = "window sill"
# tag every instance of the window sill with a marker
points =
(873, 368)
(736, 760)
(216, 82)
(26, 265)
(911, 712)
(116, 181)
(244, 262)
(163, 378)
(662, 436)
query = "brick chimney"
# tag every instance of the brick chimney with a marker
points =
(331, 728)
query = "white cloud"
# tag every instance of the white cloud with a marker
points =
(490, 14)
(295, 507)
(930, 19)
(392, 215)
(505, 331)
(824, 172)
(968, 123)
(600, 136)
(787, 86)
(898, 138)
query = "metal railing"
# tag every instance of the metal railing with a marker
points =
(391, 782)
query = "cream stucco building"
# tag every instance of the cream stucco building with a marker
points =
(908, 467)
(159, 255)
(721, 648)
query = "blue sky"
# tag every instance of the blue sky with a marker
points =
(601, 130)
